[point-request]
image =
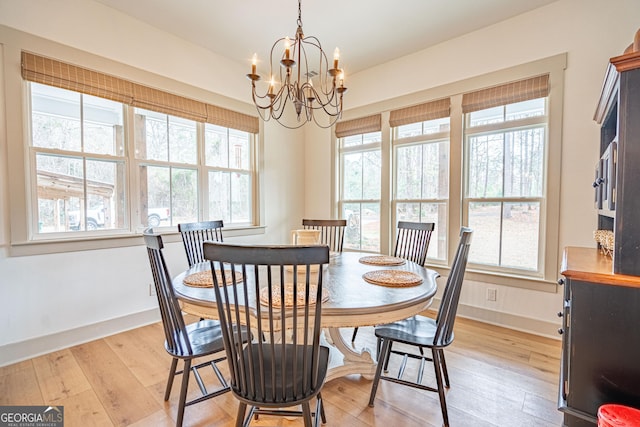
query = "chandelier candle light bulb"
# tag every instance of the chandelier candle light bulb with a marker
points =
(272, 83)
(310, 96)
(287, 47)
(302, 59)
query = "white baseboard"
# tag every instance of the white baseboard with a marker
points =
(19, 351)
(507, 320)
(22, 350)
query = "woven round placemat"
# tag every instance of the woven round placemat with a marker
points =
(392, 278)
(204, 279)
(288, 295)
(382, 260)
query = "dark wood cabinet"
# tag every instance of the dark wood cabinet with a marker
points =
(601, 304)
(617, 181)
(600, 337)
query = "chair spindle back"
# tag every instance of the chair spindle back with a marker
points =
(172, 320)
(286, 350)
(449, 304)
(331, 231)
(194, 234)
(412, 241)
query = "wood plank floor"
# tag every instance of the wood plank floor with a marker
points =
(499, 377)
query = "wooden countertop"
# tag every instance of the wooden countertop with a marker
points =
(589, 264)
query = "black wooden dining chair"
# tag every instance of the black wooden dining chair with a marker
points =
(425, 332)
(412, 240)
(185, 342)
(194, 234)
(331, 231)
(412, 243)
(282, 286)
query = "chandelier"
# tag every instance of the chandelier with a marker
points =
(295, 91)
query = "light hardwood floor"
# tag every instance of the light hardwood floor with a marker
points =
(499, 377)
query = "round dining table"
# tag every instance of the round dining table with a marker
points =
(352, 301)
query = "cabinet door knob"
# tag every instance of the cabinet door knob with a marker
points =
(560, 314)
(560, 282)
(560, 331)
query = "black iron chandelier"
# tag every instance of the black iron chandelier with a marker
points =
(295, 88)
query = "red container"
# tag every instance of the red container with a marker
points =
(612, 415)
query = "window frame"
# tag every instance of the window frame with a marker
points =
(134, 163)
(420, 140)
(360, 148)
(251, 172)
(31, 174)
(506, 127)
(23, 241)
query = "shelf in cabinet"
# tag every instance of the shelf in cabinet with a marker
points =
(606, 212)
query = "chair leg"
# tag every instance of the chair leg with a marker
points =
(306, 414)
(379, 355)
(172, 374)
(321, 403)
(384, 356)
(438, 371)
(183, 391)
(242, 409)
(387, 356)
(355, 332)
(444, 368)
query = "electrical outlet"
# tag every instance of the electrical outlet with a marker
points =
(152, 290)
(492, 294)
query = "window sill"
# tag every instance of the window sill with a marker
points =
(533, 283)
(86, 243)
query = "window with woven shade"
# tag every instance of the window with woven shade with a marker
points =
(483, 152)
(505, 145)
(421, 168)
(360, 165)
(94, 136)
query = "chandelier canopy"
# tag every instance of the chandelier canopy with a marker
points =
(295, 62)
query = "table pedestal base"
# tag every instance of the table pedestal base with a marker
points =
(344, 360)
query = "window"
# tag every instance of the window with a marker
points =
(360, 178)
(421, 177)
(100, 163)
(504, 197)
(228, 161)
(168, 149)
(505, 183)
(77, 151)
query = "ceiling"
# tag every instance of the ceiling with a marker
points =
(368, 32)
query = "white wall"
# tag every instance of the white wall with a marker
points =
(590, 31)
(95, 28)
(317, 200)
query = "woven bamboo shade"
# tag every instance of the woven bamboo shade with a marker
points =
(48, 71)
(522, 90)
(421, 113)
(168, 103)
(359, 126)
